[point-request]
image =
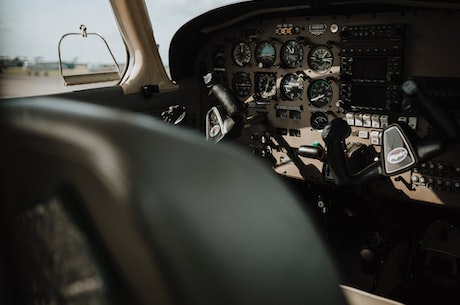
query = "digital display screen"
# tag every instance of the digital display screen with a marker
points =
(368, 96)
(370, 68)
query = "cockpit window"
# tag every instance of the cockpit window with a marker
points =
(29, 35)
(167, 16)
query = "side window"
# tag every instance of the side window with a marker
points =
(30, 32)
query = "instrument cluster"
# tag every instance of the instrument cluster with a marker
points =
(287, 69)
(300, 72)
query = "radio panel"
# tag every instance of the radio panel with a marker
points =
(371, 66)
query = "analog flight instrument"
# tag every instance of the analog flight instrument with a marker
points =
(320, 59)
(241, 84)
(320, 93)
(265, 85)
(265, 54)
(292, 86)
(318, 120)
(241, 54)
(291, 54)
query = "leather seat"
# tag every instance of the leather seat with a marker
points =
(105, 206)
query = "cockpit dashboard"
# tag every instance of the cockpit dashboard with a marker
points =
(297, 67)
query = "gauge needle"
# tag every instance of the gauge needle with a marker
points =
(317, 97)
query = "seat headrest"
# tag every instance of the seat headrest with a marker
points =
(180, 220)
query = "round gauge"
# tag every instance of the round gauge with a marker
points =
(292, 86)
(265, 85)
(318, 120)
(291, 53)
(320, 59)
(320, 93)
(241, 84)
(265, 54)
(241, 54)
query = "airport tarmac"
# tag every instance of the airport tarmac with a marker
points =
(21, 85)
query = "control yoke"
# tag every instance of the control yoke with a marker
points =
(401, 148)
(226, 120)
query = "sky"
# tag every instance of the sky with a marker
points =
(32, 29)
(168, 15)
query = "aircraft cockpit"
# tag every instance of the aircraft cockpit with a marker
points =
(285, 152)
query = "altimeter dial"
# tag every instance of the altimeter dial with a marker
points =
(291, 54)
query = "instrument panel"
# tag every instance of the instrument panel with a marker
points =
(300, 72)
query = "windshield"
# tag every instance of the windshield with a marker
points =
(30, 31)
(167, 16)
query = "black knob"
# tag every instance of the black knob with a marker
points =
(314, 152)
(336, 130)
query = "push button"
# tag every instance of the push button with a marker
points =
(375, 137)
(363, 134)
(358, 119)
(350, 118)
(412, 122)
(367, 120)
(375, 118)
(384, 121)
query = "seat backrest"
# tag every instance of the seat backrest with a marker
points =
(106, 206)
